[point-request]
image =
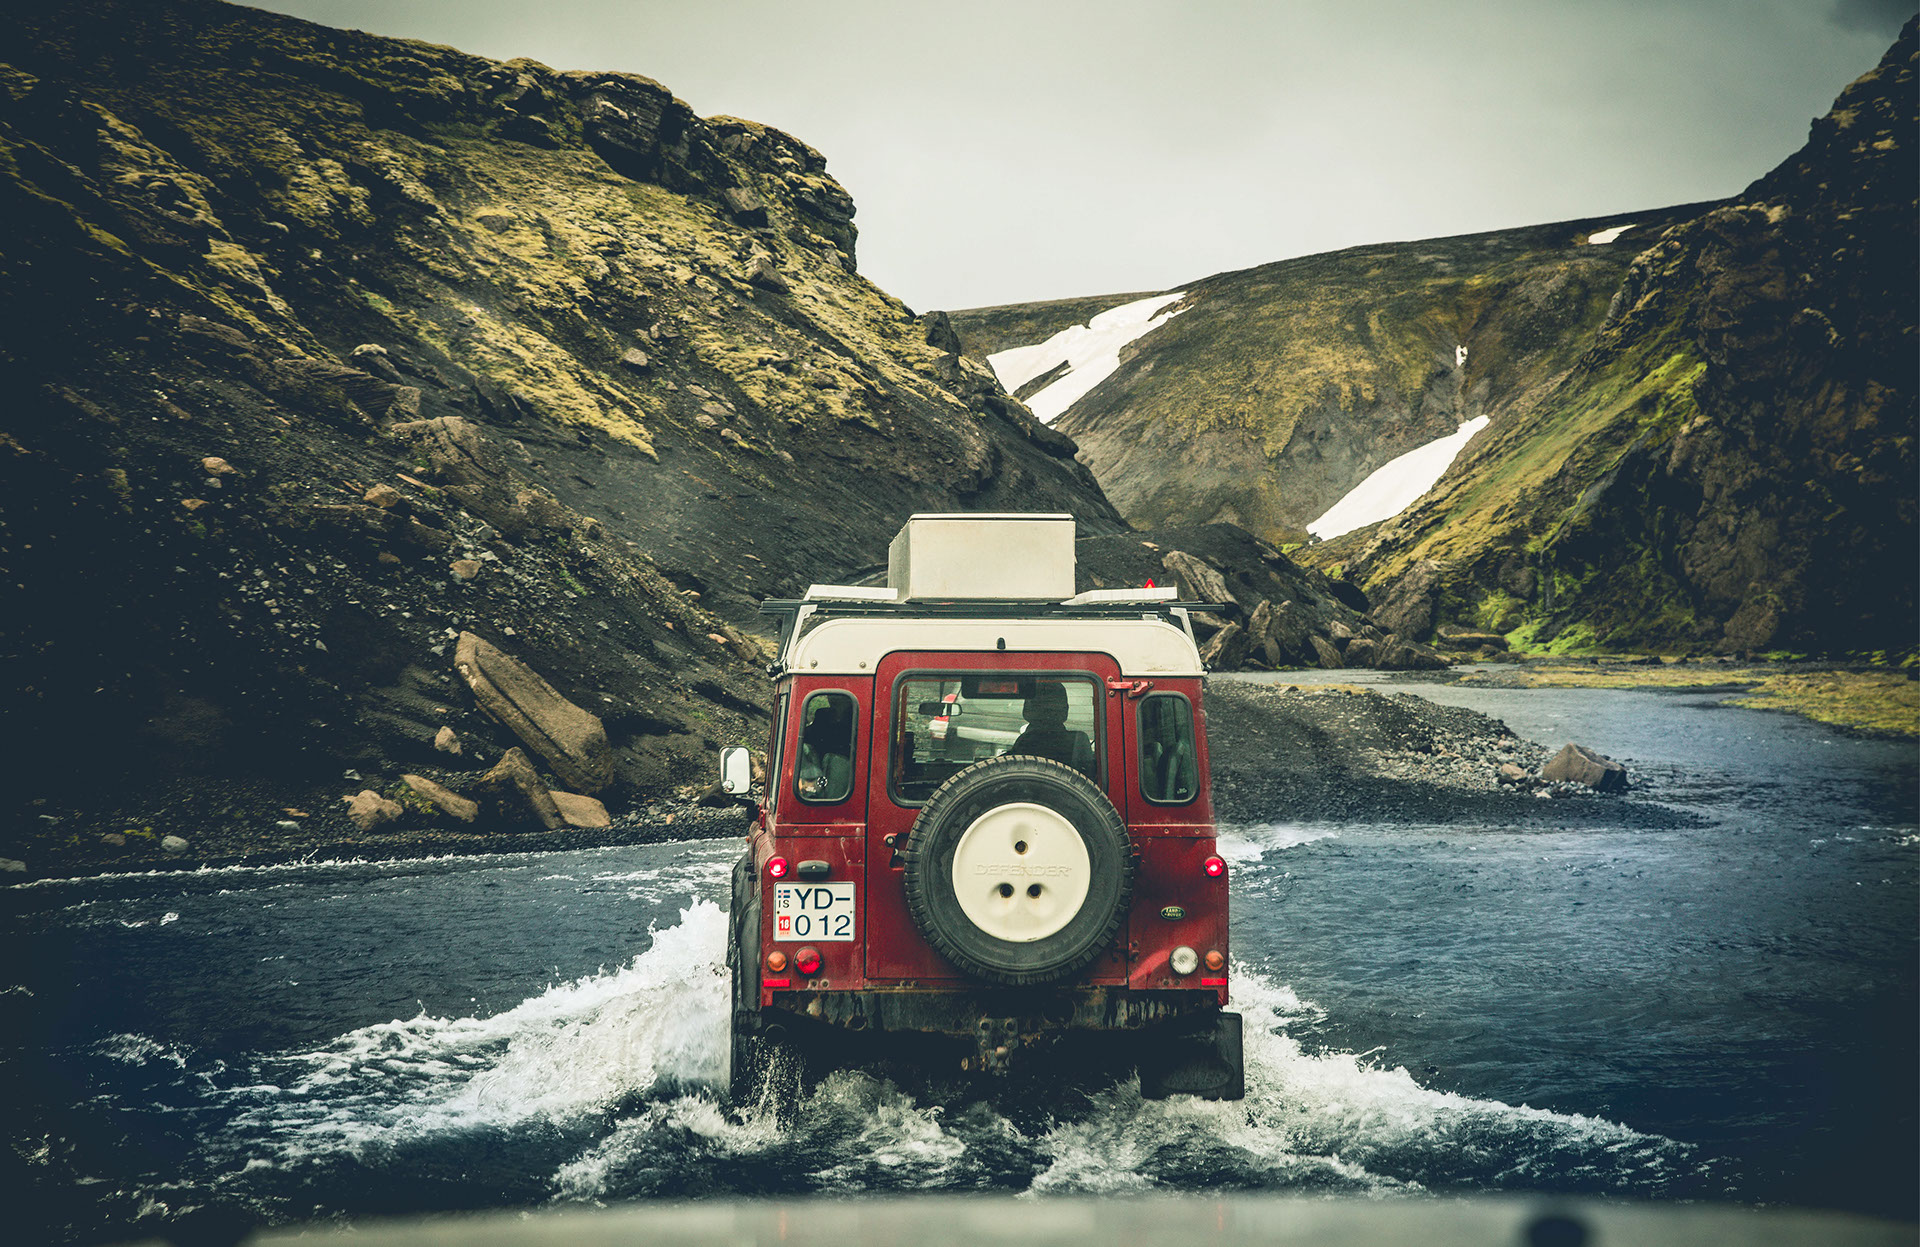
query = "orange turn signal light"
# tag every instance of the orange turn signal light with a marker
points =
(1214, 960)
(776, 961)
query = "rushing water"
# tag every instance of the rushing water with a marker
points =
(1721, 1012)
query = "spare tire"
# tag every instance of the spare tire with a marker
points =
(1019, 870)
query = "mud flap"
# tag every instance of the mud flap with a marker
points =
(1200, 1057)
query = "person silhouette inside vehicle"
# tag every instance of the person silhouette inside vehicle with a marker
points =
(826, 750)
(1047, 734)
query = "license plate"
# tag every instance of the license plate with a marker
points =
(813, 911)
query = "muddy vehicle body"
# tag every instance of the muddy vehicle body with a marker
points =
(986, 843)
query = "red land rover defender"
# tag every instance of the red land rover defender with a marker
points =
(987, 835)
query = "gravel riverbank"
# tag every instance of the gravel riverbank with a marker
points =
(1341, 753)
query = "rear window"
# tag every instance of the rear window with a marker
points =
(944, 723)
(1169, 763)
(823, 767)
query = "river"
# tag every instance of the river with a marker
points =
(1726, 1011)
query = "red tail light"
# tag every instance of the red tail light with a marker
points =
(1214, 867)
(807, 960)
(777, 868)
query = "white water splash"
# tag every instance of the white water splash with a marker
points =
(624, 1058)
(1331, 1121)
(573, 1050)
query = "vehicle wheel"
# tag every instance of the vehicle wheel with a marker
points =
(1019, 870)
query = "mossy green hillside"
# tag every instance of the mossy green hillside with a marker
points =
(1729, 464)
(1277, 389)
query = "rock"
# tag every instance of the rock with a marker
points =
(1579, 765)
(745, 207)
(1361, 652)
(573, 741)
(1394, 654)
(1449, 636)
(193, 504)
(1205, 624)
(635, 358)
(581, 811)
(1260, 637)
(1511, 774)
(214, 465)
(368, 809)
(1408, 609)
(465, 569)
(446, 740)
(940, 333)
(516, 790)
(762, 272)
(1325, 651)
(386, 497)
(11, 865)
(1340, 632)
(447, 801)
(1227, 650)
(113, 838)
(494, 222)
(173, 844)
(1198, 581)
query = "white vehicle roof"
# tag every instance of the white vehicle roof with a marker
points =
(1149, 646)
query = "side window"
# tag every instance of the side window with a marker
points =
(773, 749)
(1169, 764)
(823, 771)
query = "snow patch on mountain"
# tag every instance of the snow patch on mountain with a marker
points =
(1607, 235)
(1090, 351)
(1395, 485)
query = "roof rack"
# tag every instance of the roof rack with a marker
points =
(789, 612)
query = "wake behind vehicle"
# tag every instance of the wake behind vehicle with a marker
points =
(987, 840)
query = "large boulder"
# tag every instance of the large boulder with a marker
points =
(1198, 581)
(1451, 636)
(368, 809)
(1395, 654)
(444, 799)
(1226, 649)
(580, 811)
(571, 740)
(1409, 605)
(515, 791)
(1577, 764)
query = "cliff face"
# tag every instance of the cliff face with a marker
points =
(319, 348)
(1731, 462)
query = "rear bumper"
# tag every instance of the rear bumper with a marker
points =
(1029, 1011)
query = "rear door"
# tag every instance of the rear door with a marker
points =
(908, 762)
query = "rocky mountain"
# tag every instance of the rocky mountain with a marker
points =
(1277, 389)
(1730, 462)
(320, 350)
(1702, 426)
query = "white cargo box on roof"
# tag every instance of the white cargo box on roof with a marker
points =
(1009, 557)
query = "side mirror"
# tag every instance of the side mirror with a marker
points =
(736, 771)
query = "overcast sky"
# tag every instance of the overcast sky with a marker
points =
(1002, 152)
